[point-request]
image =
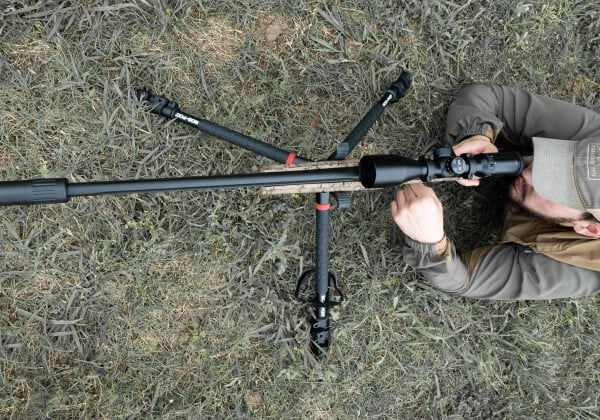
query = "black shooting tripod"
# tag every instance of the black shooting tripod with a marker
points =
(372, 172)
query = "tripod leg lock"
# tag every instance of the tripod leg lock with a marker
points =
(159, 104)
(342, 199)
(400, 87)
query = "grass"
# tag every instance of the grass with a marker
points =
(180, 305)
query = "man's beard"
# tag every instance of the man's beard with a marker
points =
(519, 199)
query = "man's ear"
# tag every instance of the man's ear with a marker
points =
(587, 228)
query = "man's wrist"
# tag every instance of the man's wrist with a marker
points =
(441, 248)
(486, 131)
(478, 137)
(491, 133)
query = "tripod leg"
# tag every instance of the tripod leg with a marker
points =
(319, 328)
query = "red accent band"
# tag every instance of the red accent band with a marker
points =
(290, 159)
(323, 207)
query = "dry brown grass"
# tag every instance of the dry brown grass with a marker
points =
(180, 305)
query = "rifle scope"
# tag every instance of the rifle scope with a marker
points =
(388, 170)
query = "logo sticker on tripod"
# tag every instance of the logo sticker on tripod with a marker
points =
(186, 118)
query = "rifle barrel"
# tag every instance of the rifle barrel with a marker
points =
(46, 191)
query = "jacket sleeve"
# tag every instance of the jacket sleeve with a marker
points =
(502, 272)
(517, 116)
(507, 271)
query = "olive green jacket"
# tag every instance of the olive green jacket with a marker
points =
(535, 259)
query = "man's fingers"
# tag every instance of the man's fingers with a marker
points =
(410, 193)
(419, 187)
(475, 145)
(418, 213)
(467, 148)
(414, 191)
(399, 195)
(400, 199)
(420, 190)
(468, 182)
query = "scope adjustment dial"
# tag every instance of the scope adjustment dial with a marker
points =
(459, 166)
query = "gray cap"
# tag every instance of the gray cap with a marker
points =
(567, 172)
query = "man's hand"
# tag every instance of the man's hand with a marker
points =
(474, 145)
(418, 213)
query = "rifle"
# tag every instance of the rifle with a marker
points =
(330, 177)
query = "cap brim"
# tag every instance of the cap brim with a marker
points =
(552, 172)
